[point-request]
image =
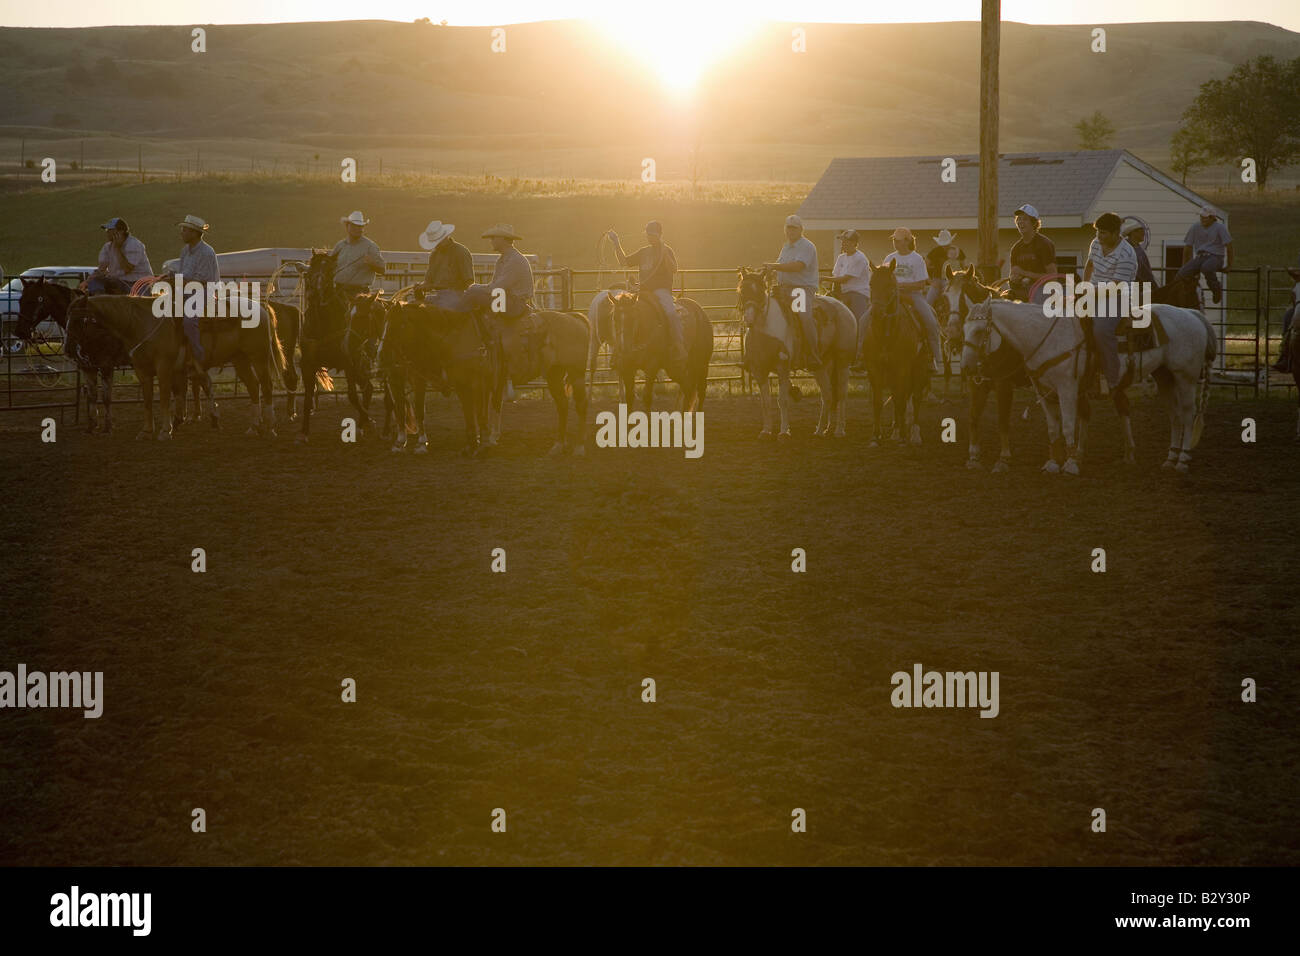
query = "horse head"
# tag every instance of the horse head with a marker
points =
(751, 295)
(41, 300)
(980, 339)
(883, 288)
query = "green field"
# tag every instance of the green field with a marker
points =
(724, 225)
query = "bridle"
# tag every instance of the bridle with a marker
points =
(752, 291)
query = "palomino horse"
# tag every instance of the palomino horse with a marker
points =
(328, 341)
(770, 346)
(554, 345)
(1055, 353)
(157, 346)
(420, 341)
(92, 348)
(640, 342)
(896, 358)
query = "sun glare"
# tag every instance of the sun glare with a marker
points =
(677, 54)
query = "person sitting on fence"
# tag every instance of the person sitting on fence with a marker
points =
(1207, 249)
(123, 261)
(1283, 363)
(912, 279)
(1135, 234)
(451, 265)
(197, 263)
(657, 264)
(358, 259)
(851, 278)
(1033, 256)
(796, 268)
(1110, 259)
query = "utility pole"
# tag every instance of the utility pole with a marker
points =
(990, 38)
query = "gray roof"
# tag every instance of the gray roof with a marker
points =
(909, 187)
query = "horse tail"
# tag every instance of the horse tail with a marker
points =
(324, 380)
(277, 350)
(1203, 384)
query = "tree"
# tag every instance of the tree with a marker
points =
(1254, 113)
(1188, 152)
(1094, 131)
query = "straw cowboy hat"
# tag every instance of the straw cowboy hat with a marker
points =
(945, 237)
(434, 233)
(355, 218)
(503, 230)
(194, 222)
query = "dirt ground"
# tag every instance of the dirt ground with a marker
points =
(522, 690)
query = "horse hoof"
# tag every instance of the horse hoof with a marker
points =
(397, 449)
(973, 464)
(767, 434)
(142, 434)
(1182, 468)
(1071, 468)
(252, 430)
(164, 436)
(301, 439)
(1167, 463)
(420, 450)
(874, 443)
(1001, 467)
(580, 451)
(840, 433)
(556, 451)
(1053, 467)
(783, 436)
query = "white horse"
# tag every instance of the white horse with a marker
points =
(770, 345)
(1056, 352)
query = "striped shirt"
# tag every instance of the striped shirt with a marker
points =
(137, 260)
(199, 262)
(355, 260)
(1119, 265)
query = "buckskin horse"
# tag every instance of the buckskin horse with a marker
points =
(157, 346)
(640, 342)
(328, 341)
(1176, 350)
(421, 341)
(771, 345)
(96, 351)
(896, 358)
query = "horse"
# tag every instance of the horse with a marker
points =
(366, 315)
(157, 346)
(600, 320)
(422, 341)
(1057, 362)
(92, 348)
(896, 357)
(328, 341)
(770, 346)
(554, 345)
(640, 342)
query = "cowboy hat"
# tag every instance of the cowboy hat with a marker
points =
(502, 230)
(1131, 225)
(356, 218)
(1209, 212)
(194, 222)
(902, 232)
(945, 237)
(434, 233)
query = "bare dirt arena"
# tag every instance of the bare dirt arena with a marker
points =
(522, 690)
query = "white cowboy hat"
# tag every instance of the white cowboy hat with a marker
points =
(502, 229)
(194, 222)
(945, 237)
(434, 233)
(356, 218)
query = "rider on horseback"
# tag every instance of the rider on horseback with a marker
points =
(852, 278)
(1135, 233)
(1110, 259)
(197, 263)
(1033, 256)
(796, 268)
(912, 279)
(658, 265)
(508, 295)
(357, 257)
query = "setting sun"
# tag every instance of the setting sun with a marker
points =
(679, 49)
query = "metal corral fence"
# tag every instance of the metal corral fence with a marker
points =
(1248, 322)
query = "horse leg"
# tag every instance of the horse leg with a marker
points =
(418, 389)
(555, 383)
(266, 379)
(1004, 395)
(1185, 395)
(106, 379)
(308, 397)
(841, 396)
(823, 402)
(354, 398)
(918, 398)
(290, 385)
(578, 381)
(165, 399)
(877, 410)
(245, 372)
(1051, 411)
(146, 392)
(1085, 418)
(1166, 387)
(1122, 409)
(765, 403)
(783, 401)
(979, 395)
(88, 386)
(650, 375)
(1069, 394)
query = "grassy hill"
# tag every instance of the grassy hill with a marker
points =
(568, 101)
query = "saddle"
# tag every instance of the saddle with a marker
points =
(524, 342)
(1129, 339)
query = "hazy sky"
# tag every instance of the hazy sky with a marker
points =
(66, 13)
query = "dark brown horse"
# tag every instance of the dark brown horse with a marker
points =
(640, 342)
(895, 353)
(420, 343)
(328, 341)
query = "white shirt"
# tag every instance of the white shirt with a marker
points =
(1120, 265)
(136, 257)
(858, 266)
(910, 268)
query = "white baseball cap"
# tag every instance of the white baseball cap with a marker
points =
(1029, 211)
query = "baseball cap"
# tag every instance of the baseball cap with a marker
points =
(849, 234)
(654, 227)
(117, 222)
(1206, 210)
(1029, 211)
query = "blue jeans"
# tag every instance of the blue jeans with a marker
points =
(860, 306)
(669, 308)
(1207, 264)
(191, 325)
(1103, 333)
(108, 285)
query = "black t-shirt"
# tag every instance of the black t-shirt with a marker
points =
(1034, 255)
(937, 262)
